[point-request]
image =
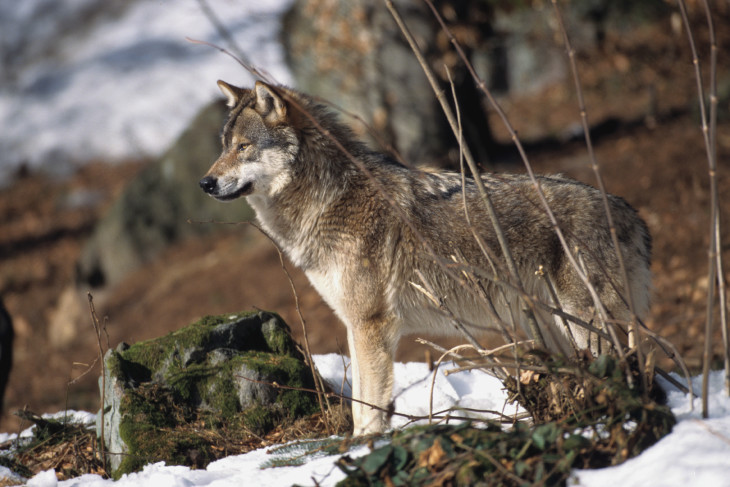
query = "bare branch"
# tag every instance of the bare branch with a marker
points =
(634, 337)
(98, 331)
(714, 273)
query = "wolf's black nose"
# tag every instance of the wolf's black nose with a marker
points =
(208, 184)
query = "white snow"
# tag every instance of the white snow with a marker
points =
(123, 86)
(696, 453)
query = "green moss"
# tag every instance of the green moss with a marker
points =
(147, 419)
(278, 338)
(151, 353)
(148, 354)
(156, 428)
(124, 369)
(289, 403)
(211, 321)
(289, 371)
(209, 385)
(220, 395)
(174, 447)
(182, 379)
(259, 420)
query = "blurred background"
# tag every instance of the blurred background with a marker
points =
(109, 117)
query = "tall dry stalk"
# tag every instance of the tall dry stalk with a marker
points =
(716, 275)
(722, 289)
(98, 330)
(634, 332)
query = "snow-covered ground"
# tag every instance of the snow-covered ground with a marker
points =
(115, 80)
(696, 453)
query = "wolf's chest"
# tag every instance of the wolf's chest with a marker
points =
(328, 283)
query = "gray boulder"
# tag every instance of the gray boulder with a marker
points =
(160, 395)
(155, 208)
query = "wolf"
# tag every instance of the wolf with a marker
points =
(388, 247)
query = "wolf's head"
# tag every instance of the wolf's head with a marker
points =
(259, 145)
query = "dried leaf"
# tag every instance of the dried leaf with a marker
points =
(529, 376)
(431, 456)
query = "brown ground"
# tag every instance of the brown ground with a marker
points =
(653, 156)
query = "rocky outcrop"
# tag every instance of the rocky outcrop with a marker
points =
(160, 206)
(353, 54)
(161, 395)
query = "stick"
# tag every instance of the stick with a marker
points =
(634, 336)
(97, 328)
(713, 252)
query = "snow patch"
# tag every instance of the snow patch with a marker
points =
(123, 87)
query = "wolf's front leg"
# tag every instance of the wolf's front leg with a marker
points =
(371, 359)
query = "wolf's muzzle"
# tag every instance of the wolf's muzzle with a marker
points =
(208, 184)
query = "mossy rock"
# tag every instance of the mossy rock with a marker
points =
(165, 398)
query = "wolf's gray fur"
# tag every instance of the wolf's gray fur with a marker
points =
(319, 193)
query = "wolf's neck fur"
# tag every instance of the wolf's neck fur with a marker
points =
(323, 177)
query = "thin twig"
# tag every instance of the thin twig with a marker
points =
(486, 251)
(714, 193)
(441, 358)
(714, 273)
(491, 310)
(222, 30)
(97, 329)
(556, 302)
(440, 304)
(255, 72)
(456, 356)
(634, 336)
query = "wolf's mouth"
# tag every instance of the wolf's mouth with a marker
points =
(242, 191)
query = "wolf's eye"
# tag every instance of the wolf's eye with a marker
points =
(243, 146)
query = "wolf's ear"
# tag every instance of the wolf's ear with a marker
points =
(269, 104)
(233, 93)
